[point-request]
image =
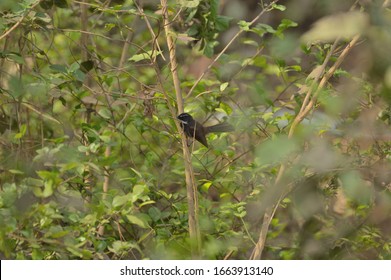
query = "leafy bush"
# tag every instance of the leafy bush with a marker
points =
(91, 162)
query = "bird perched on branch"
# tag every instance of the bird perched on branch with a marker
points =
(194, 129)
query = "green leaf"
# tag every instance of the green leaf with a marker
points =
(74, 66)
(59, 68)
(15, 171)
(137, 221)
(16, 87)
(89, 219)
(21, 133)
(286, 23)
(262, 28)
(147, 203)
(189, 3)
(244, 25)
(16, 58)
(143, 56)
(37, 254)
(209, 49)
(105, 113)
(120, 247)
(222, 23)
(223, 86)
(251, 43)
(344, 25)
(278, 7)
(121, 200)
(240, 214)
(137, 173)
(79, 75)
(155, 213)
(225, 108)
(138, 191)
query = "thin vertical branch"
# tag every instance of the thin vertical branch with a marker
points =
(191, 188)
(88, 178)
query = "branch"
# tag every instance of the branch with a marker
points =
(19, 21)
(191, 187)
(307, 106)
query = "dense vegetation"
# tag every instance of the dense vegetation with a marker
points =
(93, 164)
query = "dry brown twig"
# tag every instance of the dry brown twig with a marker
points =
(191, 187)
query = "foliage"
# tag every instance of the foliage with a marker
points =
(91, 164)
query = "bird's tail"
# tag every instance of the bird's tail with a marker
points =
(221, 127)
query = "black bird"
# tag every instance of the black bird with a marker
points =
(194, 129)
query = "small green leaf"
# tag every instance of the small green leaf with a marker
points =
(209, 48)
(223, 86)
(74, 66)
(16, 58)
(222, 23)
(244, 25)
(205, 186)
(262, 28)
(105, 113)
(137, 173)
(241, 214)
(138, 191)
(147, 203)
(250, 42)
(225, 108)
(15, 171)
(120, 200)
(189, 3)
(137, 221)
(143, 56)
(154, 213)
(21, 133)
(58, 68)
(109, 26)
(278, 7)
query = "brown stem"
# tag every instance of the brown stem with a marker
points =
(191, 187)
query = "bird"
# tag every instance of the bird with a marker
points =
(194, 129)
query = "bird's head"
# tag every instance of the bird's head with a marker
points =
(185, 118)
